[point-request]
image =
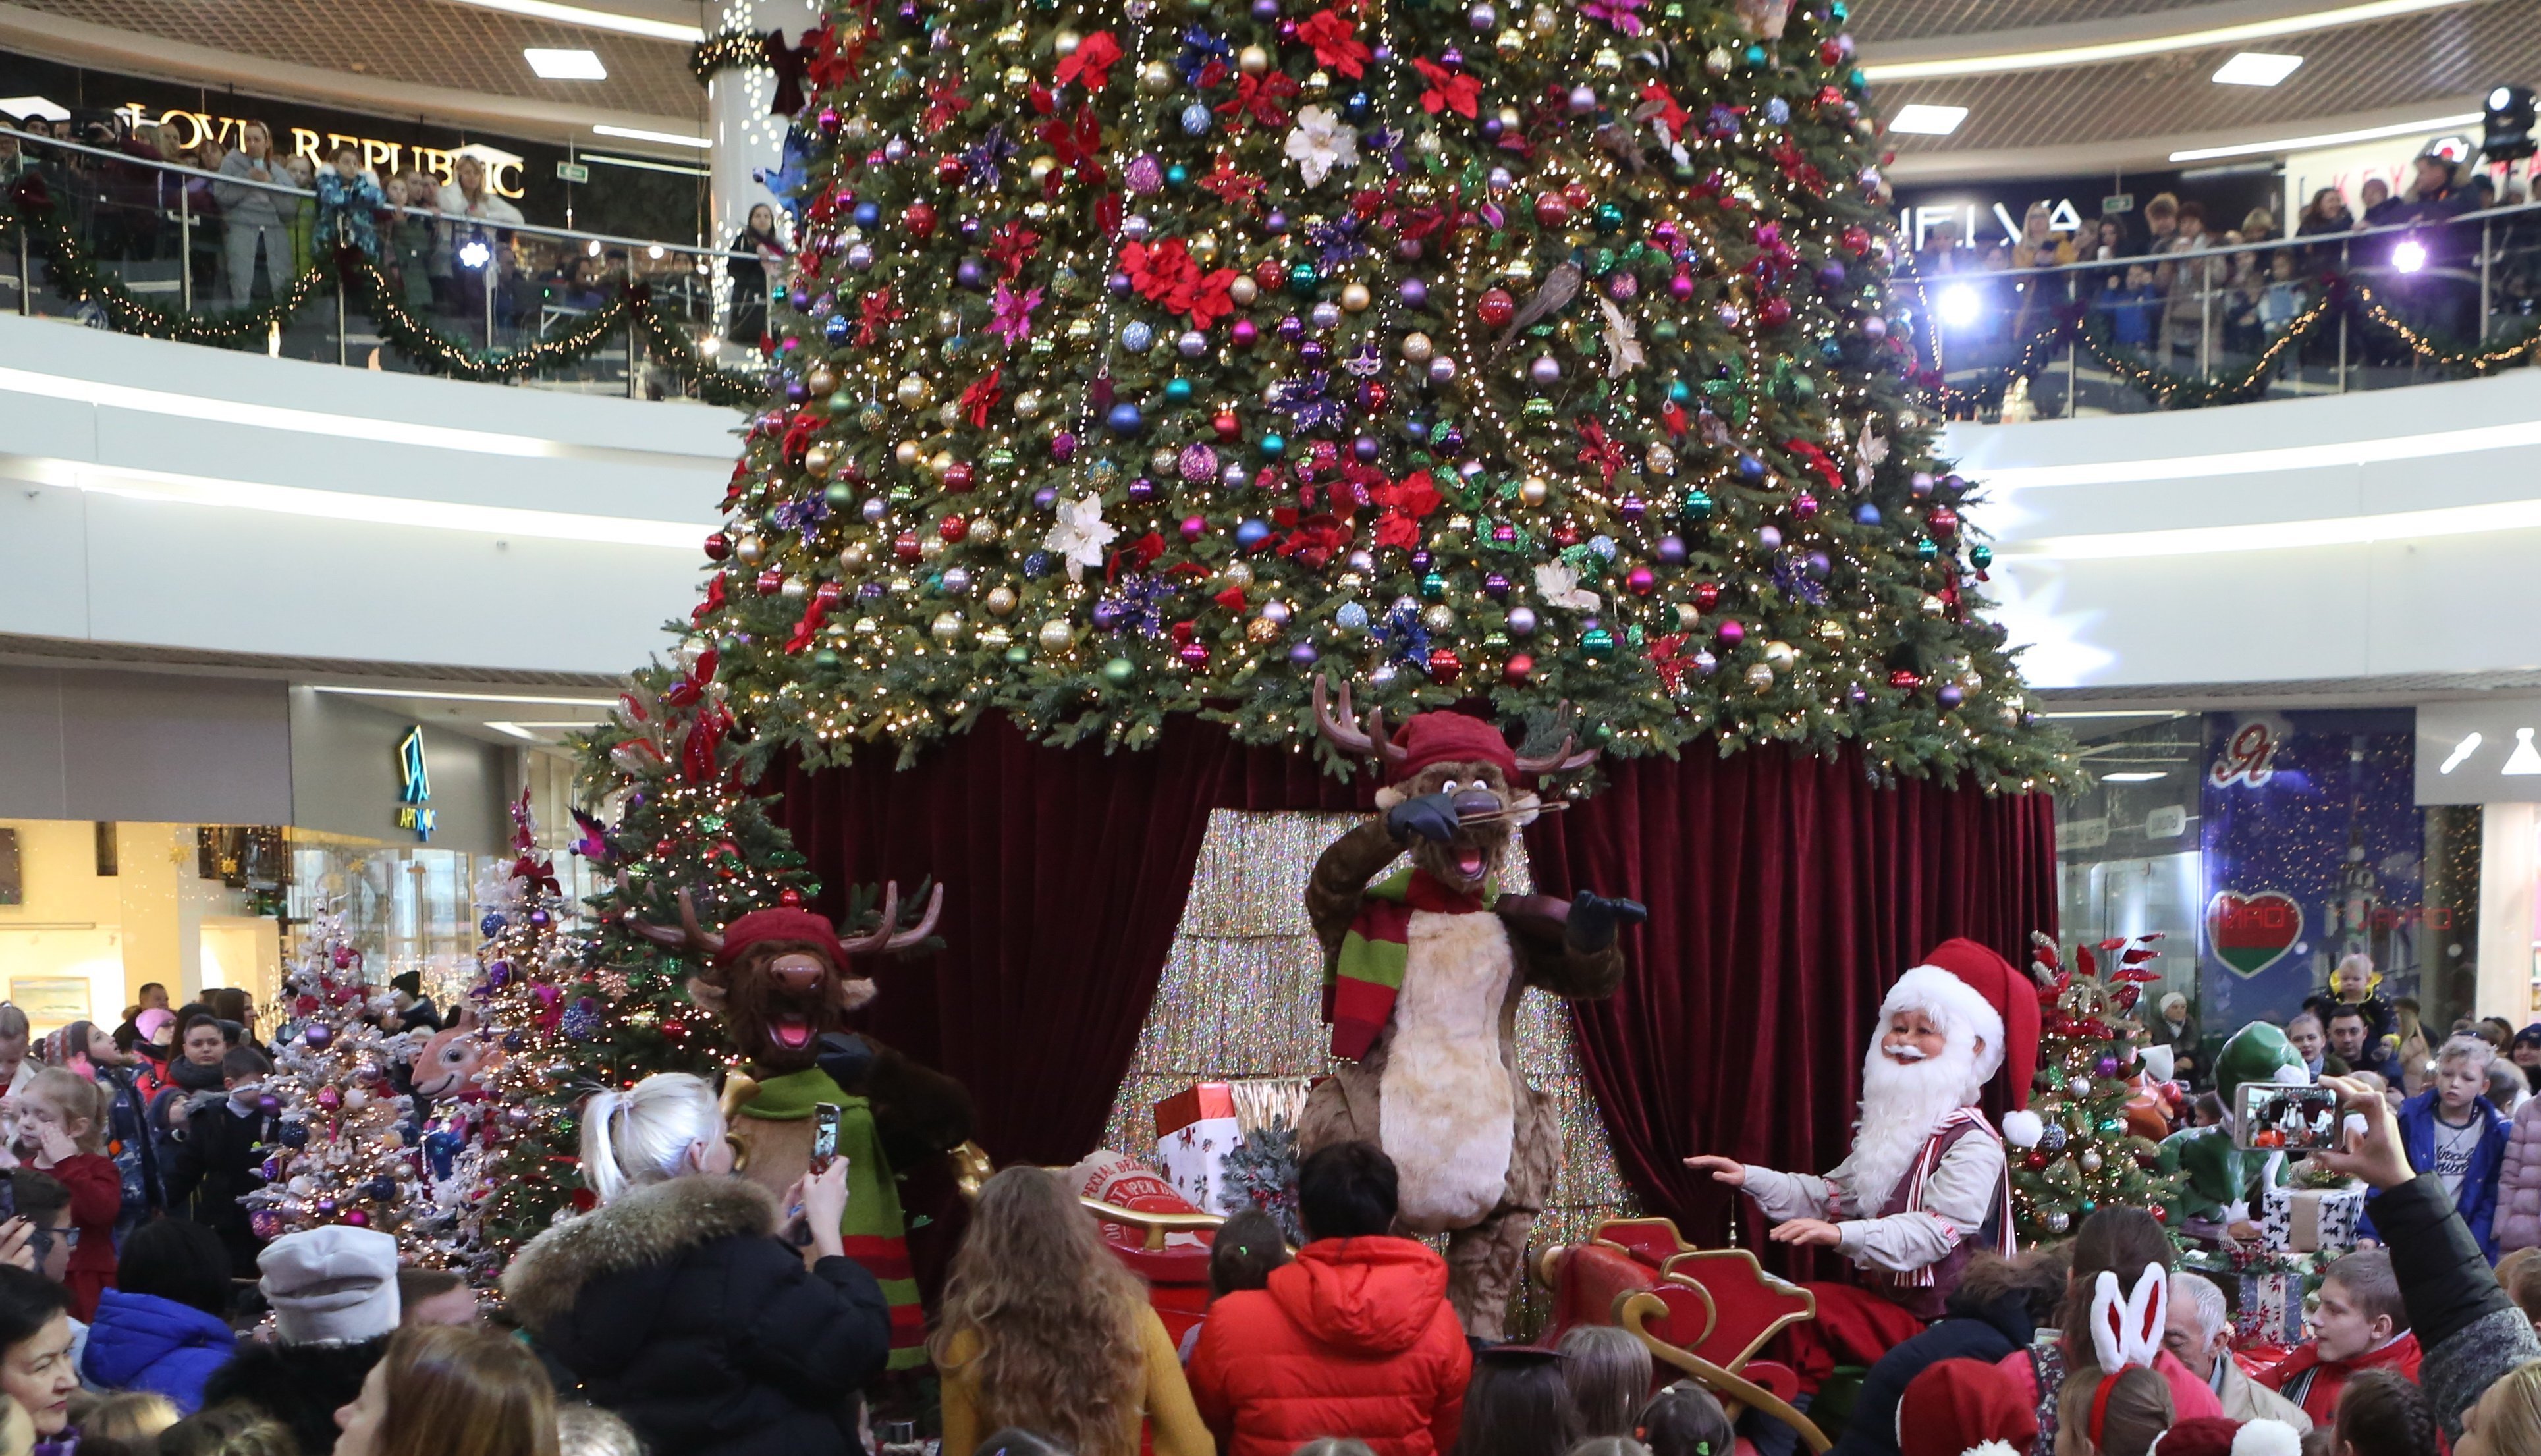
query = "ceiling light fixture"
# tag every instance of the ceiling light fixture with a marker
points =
(1928, 120)
(2130, 777)
(667, 138)
(417, 692)
(2205, 39)
(2256, 68)
(565, 65)
(593, 20)
(2327, 138)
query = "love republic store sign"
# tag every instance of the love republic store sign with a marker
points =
(2313, 848)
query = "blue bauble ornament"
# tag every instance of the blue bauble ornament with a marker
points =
(1124, 419)
(1273, 445)
(492, 924)
(1251, 534)
(867, 216)
(1178, 392)
(838, 328)
(1866, 514)
(1196, 119)
(1751, 470)
(1137, 336)
(1351, 618)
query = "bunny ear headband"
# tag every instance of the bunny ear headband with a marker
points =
(2126, 1329)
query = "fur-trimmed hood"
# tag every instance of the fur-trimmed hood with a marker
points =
(645, 1227)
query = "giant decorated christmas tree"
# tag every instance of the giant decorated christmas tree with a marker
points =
(1158, 357)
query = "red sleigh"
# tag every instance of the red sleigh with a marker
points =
(1704, 1313)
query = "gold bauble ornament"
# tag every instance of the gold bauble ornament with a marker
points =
(1204, 248)
(1608, 61)
(1439, 619)
(912, 392)
(853, 555)
(1028, 404)
(822, 380)
(749, 549)
(1262, 629)
(1781, 656)
(1008, 37)
(1063, 43)
(994, 637)
(947, 626)
(1355, 297)
(1830, 631)
(1253, 60)
(906, 454)
(1689, 617)
(1512, 43)
(937, 463)
(1417, 348)
(1055, 634)
(1081, 330)
(1531, 491)
(818, 458)
(1758, 676)
(1237, 574)
(1243, 290)
(1155, 78)
(1001, 599)
(985, 531)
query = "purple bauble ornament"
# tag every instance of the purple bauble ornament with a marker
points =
(1414, 293)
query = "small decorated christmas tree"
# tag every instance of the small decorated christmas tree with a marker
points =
(2082, 1152)
(479, 1081)
(342, 1153)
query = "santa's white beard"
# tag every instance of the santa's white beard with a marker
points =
(1900, 1104)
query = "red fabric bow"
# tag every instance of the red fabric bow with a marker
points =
(1816, 460)
(815, 612)
(713, 603)
(1448, 91)
(1091, 62)
(982, 397)
(1597, 450)
(1138, 556)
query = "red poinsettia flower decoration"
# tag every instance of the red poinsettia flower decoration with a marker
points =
(1448, 91)
(1158, 268)
(1210, 298)
(1091, 62)
(1337, 45)
(1404, 504)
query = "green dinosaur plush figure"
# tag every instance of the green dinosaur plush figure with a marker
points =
(2221, 1179)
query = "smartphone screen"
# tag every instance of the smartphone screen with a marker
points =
(2277, 1117)
(825, 1136)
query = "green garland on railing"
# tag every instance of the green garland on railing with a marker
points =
(727, 50)
(2083, 328)
(75, 276)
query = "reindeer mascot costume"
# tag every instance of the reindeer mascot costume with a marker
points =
(1423, 972)
(783, 981)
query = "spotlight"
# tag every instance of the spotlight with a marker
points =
(2507, 125)
(1960, 306)
(476, 252)
(654, 252)
(2409, 255)
(591, 247)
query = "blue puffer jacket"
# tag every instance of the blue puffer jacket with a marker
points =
(141, 1341)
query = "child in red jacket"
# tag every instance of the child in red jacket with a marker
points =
(61, 1131)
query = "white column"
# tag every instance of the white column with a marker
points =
(2509, 858)
(747, 138)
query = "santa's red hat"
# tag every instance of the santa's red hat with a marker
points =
(1446, 738)
(1960, 1406)
(1972, 992)
(2218, 1435)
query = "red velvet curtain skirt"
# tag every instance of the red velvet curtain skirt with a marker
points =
(1786, 892)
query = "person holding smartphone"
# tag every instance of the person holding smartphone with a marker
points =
(681, 1303)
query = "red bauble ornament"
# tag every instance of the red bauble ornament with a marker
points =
(949, 170)
(718, 546)
(791, 898)
(1577, 193)
(1495, 308)
(1373, 396)
(1706, 595)
(1269, 274)
(1856, 239)
(2035, 1162)
(1905, 681)
(1444, 665)
(905, 545)
(1552, 210)
(771, 582)
(1773, 312)
(957, 477)
(1520, 668)
(1566, 535)
(920, 218)
(952, 528)
(1227, 425)
(1943, 521)
(1830, 54)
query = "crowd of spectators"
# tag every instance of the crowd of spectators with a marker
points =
(2196, 293)
(244, 221)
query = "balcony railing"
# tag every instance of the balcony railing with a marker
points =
(146, 245)
(2324, 313)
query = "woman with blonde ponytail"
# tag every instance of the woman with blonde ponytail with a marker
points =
(675, 1303)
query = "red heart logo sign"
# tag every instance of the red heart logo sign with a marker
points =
(2251, 932)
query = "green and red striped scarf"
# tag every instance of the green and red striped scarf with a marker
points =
(872, 1229)
(1362, 982)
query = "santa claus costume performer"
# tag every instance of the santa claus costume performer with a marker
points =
(1925, 1185)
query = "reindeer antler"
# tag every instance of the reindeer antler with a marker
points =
(887, 936)
(1562, 760)
(690, 936)
(1346, 734)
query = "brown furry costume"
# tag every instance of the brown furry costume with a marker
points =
(1436, 1081)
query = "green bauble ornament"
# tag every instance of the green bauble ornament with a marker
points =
(1119, 671)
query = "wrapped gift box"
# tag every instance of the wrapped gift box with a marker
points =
(2311, 1220)
(1195, 1129)
(2271, 1310)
